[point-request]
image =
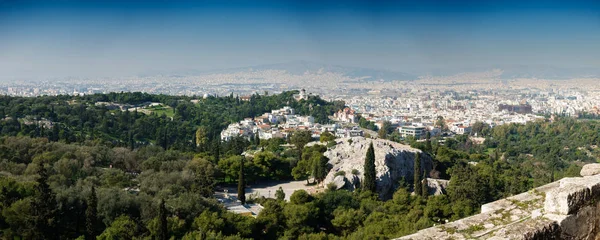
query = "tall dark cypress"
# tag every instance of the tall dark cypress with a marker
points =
(424, 188)
(417, 174)
(242, 184)
(369, 181)
(43, 207)
(217, 151)
(428, 146)
(91, 215)
(163, 233)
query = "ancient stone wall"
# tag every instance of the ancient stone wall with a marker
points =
(566, 209)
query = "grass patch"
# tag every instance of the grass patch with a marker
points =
(490, 151)
(450, 230)
(473, 228)
(160, 110)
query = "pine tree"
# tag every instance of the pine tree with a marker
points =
(163, 233)
(417, 175)
(91, 215)
(280, 194)
(369, 183)
(43, 207)
(242, 184)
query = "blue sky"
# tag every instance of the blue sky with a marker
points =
(115, 38)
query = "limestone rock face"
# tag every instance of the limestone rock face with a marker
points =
(437, 186)
(590, 169)
(393, 162)
(565, 209)
(339, 181)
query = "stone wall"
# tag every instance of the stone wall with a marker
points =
(566, 209)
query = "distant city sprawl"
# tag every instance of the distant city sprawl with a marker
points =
(460, 99)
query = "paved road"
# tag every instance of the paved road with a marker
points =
(268, 189)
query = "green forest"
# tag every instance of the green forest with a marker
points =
(70, 169)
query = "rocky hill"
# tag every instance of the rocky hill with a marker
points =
(393, 162)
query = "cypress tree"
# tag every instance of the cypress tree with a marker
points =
(424, 189)
(91, 215)
(217, 151)
(428, 146)
(369, 169)
(162, 221)
(242, 184)
(43, 207)
(417, 175)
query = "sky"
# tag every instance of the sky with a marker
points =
(60, 38)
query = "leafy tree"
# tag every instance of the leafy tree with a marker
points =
(241, 193)
(279, 194)
(320, 166)
(122, 228)
(300, 219)
(300, 197)
(202, 137)
(369, 180)
(204, 176)
(347, 221)
(468, 188)
(300, 139)
(364, 123)
(326, 137)
(301, 171)
(386, 129)
(440, 122)
(272, 220)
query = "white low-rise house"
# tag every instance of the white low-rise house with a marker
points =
(346, 115)
(461, 130)
(414, 131)
(269, 125)
(329, 127)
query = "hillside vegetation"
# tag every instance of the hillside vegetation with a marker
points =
(70, 169)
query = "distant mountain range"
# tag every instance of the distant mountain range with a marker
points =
(369, 74)
(299, 68)
(527, 71)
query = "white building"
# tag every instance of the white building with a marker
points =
(413, 131)
(346, 115)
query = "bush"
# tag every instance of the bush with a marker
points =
(340, 173)
(300, 197)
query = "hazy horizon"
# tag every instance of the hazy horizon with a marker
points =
(97, 39)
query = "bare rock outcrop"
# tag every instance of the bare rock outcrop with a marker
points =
(565, 209)
(437, 186)
(590, 169)
(393, 162)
